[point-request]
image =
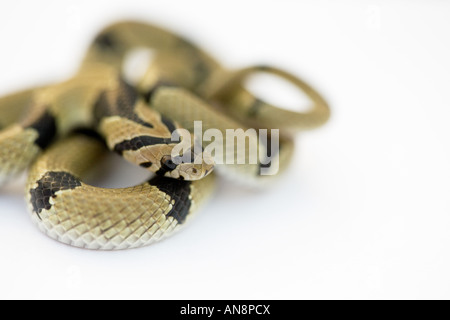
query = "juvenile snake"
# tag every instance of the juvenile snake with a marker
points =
(53, 131)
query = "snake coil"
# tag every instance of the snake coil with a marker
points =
(60, 131)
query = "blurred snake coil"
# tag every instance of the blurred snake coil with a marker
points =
(60, 131)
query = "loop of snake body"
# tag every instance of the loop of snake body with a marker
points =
(98, 108)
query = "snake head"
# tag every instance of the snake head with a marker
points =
(192, 166)
(188, 166)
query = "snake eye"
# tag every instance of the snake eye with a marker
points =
(167, 163)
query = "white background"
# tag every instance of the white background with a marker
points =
(362, 213)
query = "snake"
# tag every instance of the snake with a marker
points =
(59, 131)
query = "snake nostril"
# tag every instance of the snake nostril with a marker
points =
(194, 171)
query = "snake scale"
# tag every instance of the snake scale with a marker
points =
(59, 131)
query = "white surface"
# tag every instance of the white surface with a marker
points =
(364, 213)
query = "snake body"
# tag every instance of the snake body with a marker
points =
(81, 215)
(182, 85)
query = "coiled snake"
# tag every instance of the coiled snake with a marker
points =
(59, 131)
